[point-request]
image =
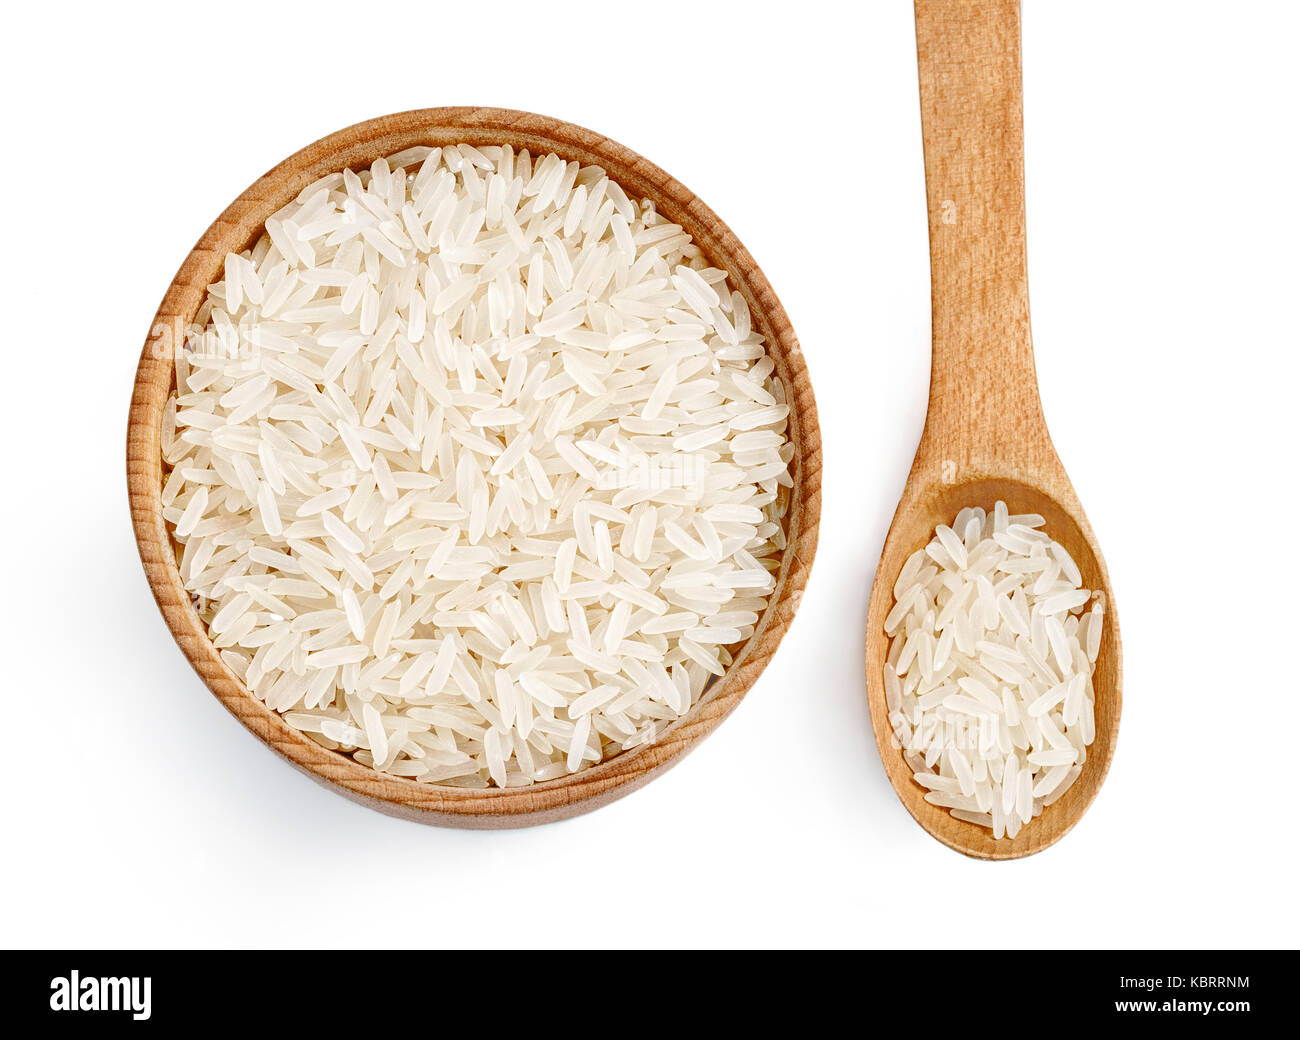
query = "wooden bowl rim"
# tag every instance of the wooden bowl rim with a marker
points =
(234, 230)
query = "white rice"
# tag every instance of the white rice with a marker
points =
(988, 683)
(477, 470)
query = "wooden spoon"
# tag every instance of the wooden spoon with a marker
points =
(985, 437)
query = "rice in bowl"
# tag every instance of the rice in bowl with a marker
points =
(478, 471)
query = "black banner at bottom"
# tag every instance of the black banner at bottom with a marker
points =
(404, 988)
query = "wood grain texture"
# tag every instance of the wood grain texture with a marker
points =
(235, 230)
(985, 437)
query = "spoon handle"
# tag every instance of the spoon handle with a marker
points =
(984, 407)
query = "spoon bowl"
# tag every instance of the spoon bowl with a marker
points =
(924, 506)
(985, 437)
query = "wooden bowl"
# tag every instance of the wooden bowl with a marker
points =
(235, 230)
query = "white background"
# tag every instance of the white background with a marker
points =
(1163, 224)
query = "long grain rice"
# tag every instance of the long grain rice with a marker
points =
(477, 470)
(988, 681)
